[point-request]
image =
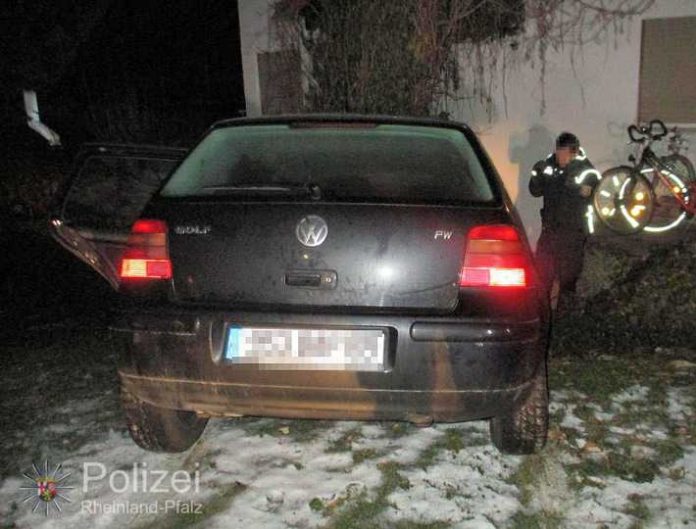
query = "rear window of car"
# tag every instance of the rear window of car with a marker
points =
(346, 163)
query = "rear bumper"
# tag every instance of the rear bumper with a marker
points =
(438, 369)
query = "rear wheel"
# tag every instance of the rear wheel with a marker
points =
(524, 429)
(668, 212)
(681, 166)
(623, 200)
(160, 429)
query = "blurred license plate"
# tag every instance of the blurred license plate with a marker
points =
(283, 348)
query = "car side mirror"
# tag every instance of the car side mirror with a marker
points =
(31, 107)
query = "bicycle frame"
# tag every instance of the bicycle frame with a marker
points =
(636, 191)
(681, 194)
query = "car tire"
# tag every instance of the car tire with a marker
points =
(160, 429)
(524, 429)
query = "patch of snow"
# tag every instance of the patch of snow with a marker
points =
(672, 503)
(604, 416)
(679, 405)
(551, 488)
(465, 489)
(270, 480)
(635, 393)
(572, 421)
(407, 449)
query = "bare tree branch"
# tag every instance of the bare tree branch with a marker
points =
(412, 56)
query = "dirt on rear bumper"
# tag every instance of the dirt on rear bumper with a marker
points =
(459, 370)
(234, 400)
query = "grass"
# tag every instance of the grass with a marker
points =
(345, 442)
(316, 504)
(526, 476)
(542, 482)
(619, 465)
(299, 430)
(219, 502)
(78, 368)
(364, 454)
(598, 381)
(596, 429)
(395, 430)
(47, 378)
(409, 524)
(600, 378)
(451, 440)
(636, 507)
(362, 511)
(618, 459)
(536, 520)
(667, 451)
(557, 416)
(639, 414)
(202, 455)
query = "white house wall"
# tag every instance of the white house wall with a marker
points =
(255, 34)
(597, 101)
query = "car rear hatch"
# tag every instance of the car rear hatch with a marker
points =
(377, 256)
(314, 214)
(108, 189)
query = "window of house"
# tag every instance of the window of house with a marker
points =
(668, 70)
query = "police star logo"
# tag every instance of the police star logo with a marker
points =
(47, 488)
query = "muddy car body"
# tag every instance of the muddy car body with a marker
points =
(335, 267)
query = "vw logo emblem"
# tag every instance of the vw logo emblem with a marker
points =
(311, 230)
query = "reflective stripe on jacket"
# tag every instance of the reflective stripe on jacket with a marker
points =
(564, 206)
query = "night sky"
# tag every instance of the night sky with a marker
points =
(121, 70)
(155, 72)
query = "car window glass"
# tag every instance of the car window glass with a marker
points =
(110, 192)
(386, 163)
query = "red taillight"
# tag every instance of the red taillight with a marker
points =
(495, 257)
(147, 255)
(494, 232)
(149, 226)
(146, 268)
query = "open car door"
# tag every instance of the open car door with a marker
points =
(109, 188)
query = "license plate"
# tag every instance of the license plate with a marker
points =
(287, 348)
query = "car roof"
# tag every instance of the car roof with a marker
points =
(130, 149)
(343, 118)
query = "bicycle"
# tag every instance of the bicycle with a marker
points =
(655, 195)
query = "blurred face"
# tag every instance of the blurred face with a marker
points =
(564, 155)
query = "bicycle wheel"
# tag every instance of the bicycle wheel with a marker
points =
(623, 200)
(668, 211)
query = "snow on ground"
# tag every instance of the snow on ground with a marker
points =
(666, 501)
(273, 480)
(621, 457)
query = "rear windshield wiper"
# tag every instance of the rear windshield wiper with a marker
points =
(311, 190)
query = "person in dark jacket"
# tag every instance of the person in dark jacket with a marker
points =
(565, 179)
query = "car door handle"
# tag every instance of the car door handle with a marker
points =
(325, 279)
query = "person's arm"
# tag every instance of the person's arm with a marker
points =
(537, 181)
(584, 177)
(585, 191)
